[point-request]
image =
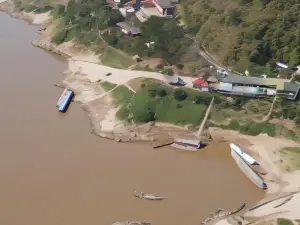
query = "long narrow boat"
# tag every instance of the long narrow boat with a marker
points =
(148, 196)
(61, 97)
(242, 206)
(248, 171)
(189, 145)
(65, 100)
(219, 215)
(249, 159)
(132, 223)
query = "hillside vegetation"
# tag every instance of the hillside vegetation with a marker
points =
(246, 32)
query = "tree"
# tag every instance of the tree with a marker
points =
(294, 57)
(180, 94)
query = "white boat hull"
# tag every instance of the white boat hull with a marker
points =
(249, 159)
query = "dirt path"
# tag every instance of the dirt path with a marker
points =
(205, 118)
(205, 54)
(267, 117)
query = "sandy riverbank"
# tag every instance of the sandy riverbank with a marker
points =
(267, 152)
(83, 76)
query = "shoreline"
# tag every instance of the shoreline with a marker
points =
(81, 79)
(88, 92)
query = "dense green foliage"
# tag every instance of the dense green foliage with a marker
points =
(169, 41)
(41, 6)
(242, 32)
(287, 110)
(84, 20)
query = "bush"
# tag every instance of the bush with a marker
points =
(59, 10)
(162, 93)
(44, 9)
(180, 94)
(59, 37)
(168, 72)
(30, 8)
(72, 33)
(180, 66)
(203, 99)
(88, 38)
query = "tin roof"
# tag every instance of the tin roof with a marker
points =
(166, 3)
(237, 79)
(126, 26)
(200, 82)
(291, 87)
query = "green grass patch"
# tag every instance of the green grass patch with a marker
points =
(156, 101)
(107, 86)
(251, 128)
(113, 58)
(282, 221)
(122, 96)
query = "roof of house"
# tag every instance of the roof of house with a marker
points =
(291, 87)
(241, 80)
(166, 3)
(126, 26)
(200, 82)
(279, 83)
(212, 79)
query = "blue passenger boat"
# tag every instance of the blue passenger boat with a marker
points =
(64, 100)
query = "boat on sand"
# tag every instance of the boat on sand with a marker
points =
(143, 195)
(249, 159)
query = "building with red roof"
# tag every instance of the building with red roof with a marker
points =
(201, 84)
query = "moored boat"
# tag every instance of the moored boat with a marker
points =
(61, 97)
(189, 145)
(132, 223)
(249, 159)
(65, 100)
(248, 171)
(143, 195)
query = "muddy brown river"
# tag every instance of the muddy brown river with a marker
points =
(53, 171)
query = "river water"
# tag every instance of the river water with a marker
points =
(54, 171)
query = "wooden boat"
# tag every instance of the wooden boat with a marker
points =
(219, 215)
(132, 223)
(64, 100)
(153, 196)
(249, 159)
(61, 97)
(248, 171)
(188, 145)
